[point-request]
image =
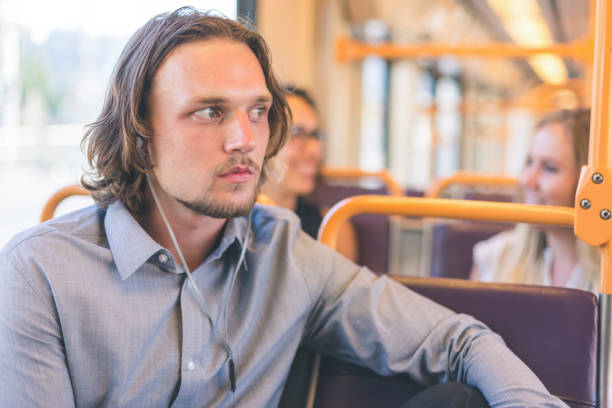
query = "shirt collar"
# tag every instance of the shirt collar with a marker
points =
(234, 232)
(129, 243)
(131, 246)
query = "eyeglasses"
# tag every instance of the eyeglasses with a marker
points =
(299, 132)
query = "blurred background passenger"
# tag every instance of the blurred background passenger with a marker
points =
(546, 255)
(301, 158)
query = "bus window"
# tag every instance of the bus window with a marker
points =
(55, 63)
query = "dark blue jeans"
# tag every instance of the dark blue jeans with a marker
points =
(448, 395)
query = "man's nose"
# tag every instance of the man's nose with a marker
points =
(241, 137)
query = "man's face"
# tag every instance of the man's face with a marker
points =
(209, 112)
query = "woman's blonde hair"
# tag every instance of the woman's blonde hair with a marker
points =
(523, 260)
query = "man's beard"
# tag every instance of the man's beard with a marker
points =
(214, 209)
(219, 210)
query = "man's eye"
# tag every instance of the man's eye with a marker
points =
(208, 113)
(257, 112)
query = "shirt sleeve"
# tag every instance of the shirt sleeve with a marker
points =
(376, 322)
(32, 356)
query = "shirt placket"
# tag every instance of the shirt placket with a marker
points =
(195, 334)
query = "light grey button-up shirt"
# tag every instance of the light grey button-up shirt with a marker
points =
(93, 312)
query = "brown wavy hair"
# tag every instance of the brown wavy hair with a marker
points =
(116, 142)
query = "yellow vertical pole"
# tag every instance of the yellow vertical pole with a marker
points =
(593, 204)
(599, 155)
(589, 40)
(594, 194)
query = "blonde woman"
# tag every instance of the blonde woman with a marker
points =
(546, 255)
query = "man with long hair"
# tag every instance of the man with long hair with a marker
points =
(175, 290)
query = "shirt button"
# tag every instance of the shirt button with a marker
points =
(163, 258)
(191, 365)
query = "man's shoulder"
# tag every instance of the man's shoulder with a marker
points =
(278, 236)
(86, 223)
(279, 229)
(270, 218)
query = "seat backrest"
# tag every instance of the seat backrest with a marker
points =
(372, 230)
(479, 196)
(553, 330)
(471, 180)
(452, 244)
(410, 192)
(54, 201)
(327, 194)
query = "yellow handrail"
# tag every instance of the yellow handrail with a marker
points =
(348, 50)
(593, 202)
(354, 173)
(470, 179)
(59, 196)
(440, 208)
(264, 199)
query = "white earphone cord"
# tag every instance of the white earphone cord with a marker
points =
(231, 366)
(172, 237)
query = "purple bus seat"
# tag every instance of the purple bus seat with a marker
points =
(553, 330)
(452, 244)
(373, 241)
(414, 193)
(505, 198)
(328, 194)
(372, 230)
